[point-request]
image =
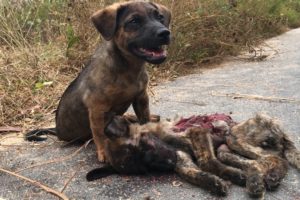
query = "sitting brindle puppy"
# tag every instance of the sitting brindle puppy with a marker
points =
(137, 149)
(266, 149)
(134, 33)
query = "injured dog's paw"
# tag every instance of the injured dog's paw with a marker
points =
(255, 185)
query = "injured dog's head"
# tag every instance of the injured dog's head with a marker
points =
(134, 152)
(265, 132)
(262, 131)
(137, 28)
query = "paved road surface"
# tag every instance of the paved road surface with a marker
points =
(214, 90)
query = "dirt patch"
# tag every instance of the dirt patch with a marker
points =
(12, 140)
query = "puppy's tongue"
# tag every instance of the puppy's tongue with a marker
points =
(160, 52)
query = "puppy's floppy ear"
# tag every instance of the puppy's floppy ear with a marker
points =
(105, 20)
(165, 11)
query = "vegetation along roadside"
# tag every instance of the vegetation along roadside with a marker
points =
(45, 43)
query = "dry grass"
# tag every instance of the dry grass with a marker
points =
(45, 43)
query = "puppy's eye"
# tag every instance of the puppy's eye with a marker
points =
(160, 17)
(134, 21)
(133, 24)
(264, 144)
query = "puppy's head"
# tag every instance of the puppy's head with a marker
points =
(139, 29)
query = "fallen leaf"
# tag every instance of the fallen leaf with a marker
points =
(176, 183)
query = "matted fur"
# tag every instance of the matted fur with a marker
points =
(263, 150)
(257, 148)
(155, 143)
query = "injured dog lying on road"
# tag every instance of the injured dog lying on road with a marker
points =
(135, 149)
(203, 150)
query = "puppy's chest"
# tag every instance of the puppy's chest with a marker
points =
(125, 90)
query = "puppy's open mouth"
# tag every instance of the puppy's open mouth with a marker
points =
(154, 55)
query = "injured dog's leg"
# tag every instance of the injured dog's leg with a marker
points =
(255, 183)
(203, 150)
(189, 171)
(243, 148)
(133, 118)
(274, 169)
(268, 170)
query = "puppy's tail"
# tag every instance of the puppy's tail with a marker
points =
(101, 172)
(291, 153)
(35, 135)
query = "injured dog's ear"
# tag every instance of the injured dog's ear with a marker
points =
(105, 20)
(117, 127)
(165, 12)
(291, 153)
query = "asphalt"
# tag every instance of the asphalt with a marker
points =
(240, 87)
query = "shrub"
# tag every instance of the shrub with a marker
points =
(44, 44)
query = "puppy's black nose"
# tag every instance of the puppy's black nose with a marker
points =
(163, 34)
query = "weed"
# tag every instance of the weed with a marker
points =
(71, 38)
(44, 43)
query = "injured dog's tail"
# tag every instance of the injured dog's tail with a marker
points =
(35, 135)
(291, 153)
(101, 172)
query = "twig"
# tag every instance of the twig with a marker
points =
(8, 137)
(58, 159)
(9, 129)
(38, 184)
(69, 180)
(188, 102)
(257, 97)
(274, 197)
(292, 192)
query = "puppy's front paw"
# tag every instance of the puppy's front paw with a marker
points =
(101, 156)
